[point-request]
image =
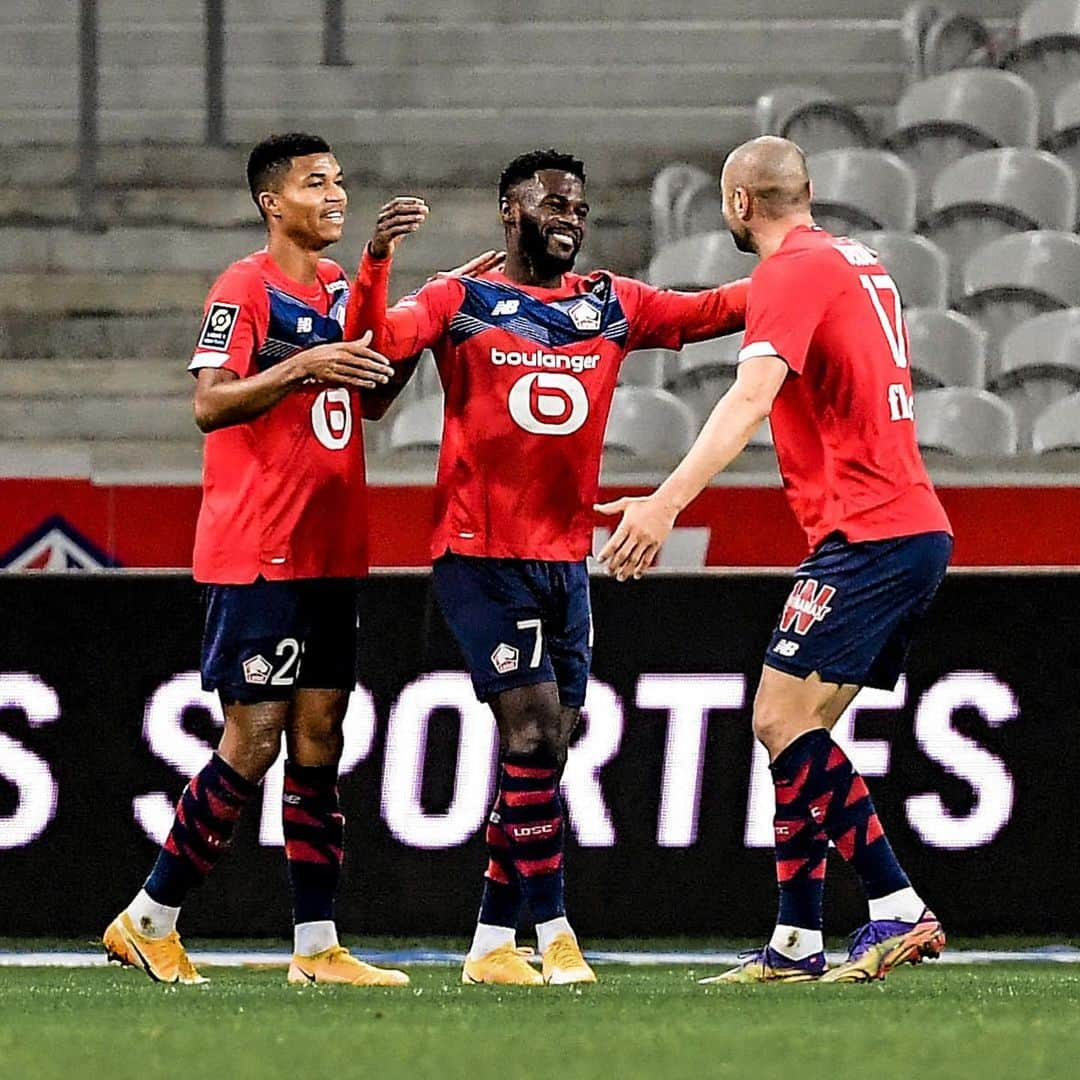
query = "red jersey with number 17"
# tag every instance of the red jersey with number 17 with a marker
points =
(284, 495)
(529, 374)
(843, 422)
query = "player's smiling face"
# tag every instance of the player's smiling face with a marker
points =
(548, 213)
(311, 202)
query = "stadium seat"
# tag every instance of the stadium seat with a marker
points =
(698, 209)
(418, 426)
(917, 265)
(1047, 52)
(938, 39)
(1016, 278)
(811, 116)
(706, 370)
(1039, 365)
(699, 262)
(944, 117)
(965, 422)
(1058, 427)
(955, 40)
(648, 367)
(946, 349)
(647, 428)
(667, 185)
(861, 189)
(1064, 138)
(993, 193)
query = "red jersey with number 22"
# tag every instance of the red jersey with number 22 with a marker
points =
(529, 374)
(842, 423)
(284, 495)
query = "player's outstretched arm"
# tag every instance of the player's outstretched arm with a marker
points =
(223, 398)
(647, 520)
(667, 319)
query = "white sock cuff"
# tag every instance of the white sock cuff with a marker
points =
(488, 938)
(310, 938)
(904, 905)
(796, 942)
(547, 932)
(152, 919)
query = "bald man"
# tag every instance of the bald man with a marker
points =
(825, 357)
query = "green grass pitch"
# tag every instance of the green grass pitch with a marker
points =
(984, 1022)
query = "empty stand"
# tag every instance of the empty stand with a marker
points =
(964, 422)
(992, 193)
(811, 116)
(418, 426)
(648, 367)
(705, 372)
(699, 209)
(1058, 428)
(944, 117)
(946, 349)
(1047, 53)
(918, 266)
(1039, 365)
(668, 184)
(647, 428)
(1018, 277)
(699, 262)
(858, 189)
(1064, 138)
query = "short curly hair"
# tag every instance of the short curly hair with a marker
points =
(527, 165)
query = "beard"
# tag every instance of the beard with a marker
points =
(534, 244)
(742, 238)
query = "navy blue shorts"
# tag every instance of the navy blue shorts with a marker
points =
(519, 622)
(265, 641)
(854, 607)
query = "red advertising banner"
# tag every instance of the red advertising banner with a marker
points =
(50, 524)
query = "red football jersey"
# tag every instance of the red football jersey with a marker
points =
(842, 423)
(528, 375)
(284, 494)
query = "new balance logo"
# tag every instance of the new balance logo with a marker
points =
(807, 604)
(784, 647)
(304, 324)
(506, 307)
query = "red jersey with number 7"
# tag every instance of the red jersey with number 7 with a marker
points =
(529, 375)
(284, 495)
(843, 422)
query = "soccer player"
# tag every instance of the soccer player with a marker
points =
(280, 542)
(529, 356)
(825, 356)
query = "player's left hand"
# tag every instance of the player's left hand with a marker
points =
(400, 217)
(646, 524)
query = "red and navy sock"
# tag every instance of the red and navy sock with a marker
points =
(500, 904)
(854, 828)
(205, 819)
(314, 839)
(531, 818)
(801, 843)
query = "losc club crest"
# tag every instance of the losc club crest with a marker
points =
(55, 546)
(584, 316)
(505, 658)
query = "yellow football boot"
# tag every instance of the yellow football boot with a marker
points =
(163, 959)
(767, 965)
(337, 965)
(564, 963)
(504, 966)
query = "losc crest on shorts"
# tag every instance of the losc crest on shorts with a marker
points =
(853, 608)
(519, 622)
(266, 640)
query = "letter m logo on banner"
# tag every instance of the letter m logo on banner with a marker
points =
(807, 604)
